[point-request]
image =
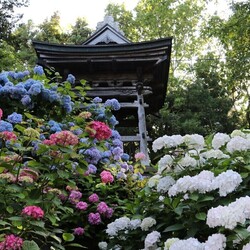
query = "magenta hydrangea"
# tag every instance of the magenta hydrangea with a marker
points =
(33, 211)
(11, 242)
(94, 218)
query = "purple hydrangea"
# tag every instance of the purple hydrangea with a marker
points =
(78, 231)
(97, 100)
(102, 207)
(92, 169)
(94, 218)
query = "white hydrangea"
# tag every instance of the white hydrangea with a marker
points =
(227, 182)
(167, 142)
(219, 140)
(214, 153)
(165, 163)
(119, 224)
(205, 182)
(194, 141)
(147, 223)
(246, 247)
(190, 244)
(201, 182)
(215, 242)
(134, 224)
(186, 161)
(151, 240)
(158, 144)
(229, 216)
(238, 143)
(164, 184)
(103, 245)
(154, 180)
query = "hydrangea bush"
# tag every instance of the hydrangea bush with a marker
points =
(198, 198)
(63, 172)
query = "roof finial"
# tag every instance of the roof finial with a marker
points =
(110, 21)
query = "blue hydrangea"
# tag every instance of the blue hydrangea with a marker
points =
(5, 126)
(35, 88)
(3, 78)
(28, 83)
(71, 79)
(26, 100)
(15, 118)
(106, 154)
(67, 104)
(54, 126)
(38, 70)
(93, 155)
(125, 157)
(97, 100)
(115, 134)
(113, 121)
(113, 104)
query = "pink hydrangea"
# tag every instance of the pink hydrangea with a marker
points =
(98, 130)
(93, 198)
(64, 138)
(94, 218)
(33, 211)
(11, 242)
(81, 205)
(6, 135)
(106, 177)
(78, 231)
(140, 156)
(1, 113)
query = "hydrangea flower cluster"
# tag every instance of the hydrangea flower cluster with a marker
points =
(198, 153)
(214, 242)
(33, 211)
(106, 177)
(205, 181)
(11, 242)
(99, 130)
(27, 91)
(151, 240)
(229, 216)
(63, 138)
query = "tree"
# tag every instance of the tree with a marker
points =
(79, 31)
(8, 19)
(234, 35)
(125, 19)
(203, 107)
(51, 31)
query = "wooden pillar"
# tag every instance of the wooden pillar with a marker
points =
(142, 124)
